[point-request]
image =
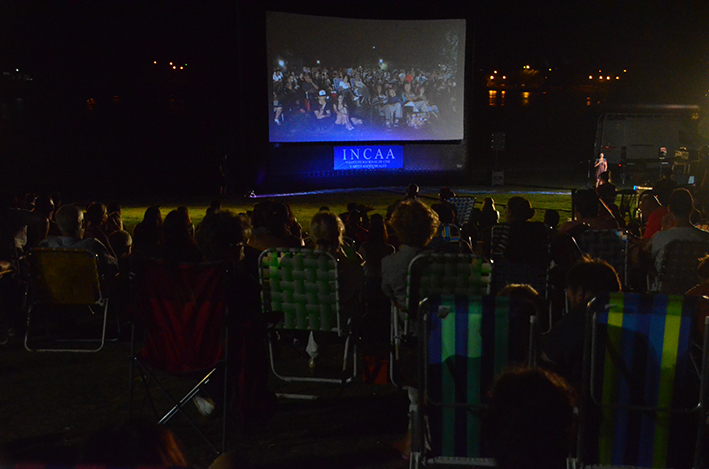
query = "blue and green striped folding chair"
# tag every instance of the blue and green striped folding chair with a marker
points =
(465, 342)
(434, 274)
(644, 396)
(303, 284)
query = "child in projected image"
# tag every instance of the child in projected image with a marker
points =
(392, 109)
(343, 114)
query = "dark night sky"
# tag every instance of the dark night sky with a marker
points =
(89, 41)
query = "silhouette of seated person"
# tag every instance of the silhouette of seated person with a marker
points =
(274, 227)
(96, 218)
(529, 420)
(563, 347)
(664, 186)
(70, 219)
(148, 234)
(447, 213)
(652, 213)
(607, 192)
(518, 240)
(589, 213)
(222, 236)
(178, 244)
(326, 233)
(355, 227)
(679, 227)
(377, 304)
(415, 225)
(114, 221)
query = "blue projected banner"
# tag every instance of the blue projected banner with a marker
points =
(369, 157)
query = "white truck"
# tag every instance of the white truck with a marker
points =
(639, 142)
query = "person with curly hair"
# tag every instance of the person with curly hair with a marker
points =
(415, 225)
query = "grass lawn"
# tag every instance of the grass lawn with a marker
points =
(305, 205)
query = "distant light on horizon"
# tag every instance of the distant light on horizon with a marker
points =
(170, 63)
(155, 62)
(174, 67)
(590, 77)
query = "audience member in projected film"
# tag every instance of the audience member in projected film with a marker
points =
(392, 108)
(323, 108)
(342, 111)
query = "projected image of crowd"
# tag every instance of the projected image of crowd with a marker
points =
(322, 103)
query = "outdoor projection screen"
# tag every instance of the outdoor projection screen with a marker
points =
(339, 80)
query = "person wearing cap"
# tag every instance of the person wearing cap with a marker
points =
(323, 109)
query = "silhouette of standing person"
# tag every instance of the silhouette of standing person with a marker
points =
(223, 179)
(601, 167)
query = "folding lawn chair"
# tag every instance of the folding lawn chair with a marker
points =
(433, 274)
(183, 311)
(63, 291)
(464, 208)
(304, 285)
(506, 272)
(679, 267)
(609, 245)
(644, 391)
(465, 342)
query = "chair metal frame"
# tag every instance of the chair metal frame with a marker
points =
(65, 278)
(312, 305)
(150, 373)
(437, 309)
(590, 399)
(475, 280)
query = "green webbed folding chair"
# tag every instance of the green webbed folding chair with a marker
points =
(303, 285)
(465, 342)
(641, 392)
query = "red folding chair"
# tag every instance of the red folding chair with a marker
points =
(182, 313)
